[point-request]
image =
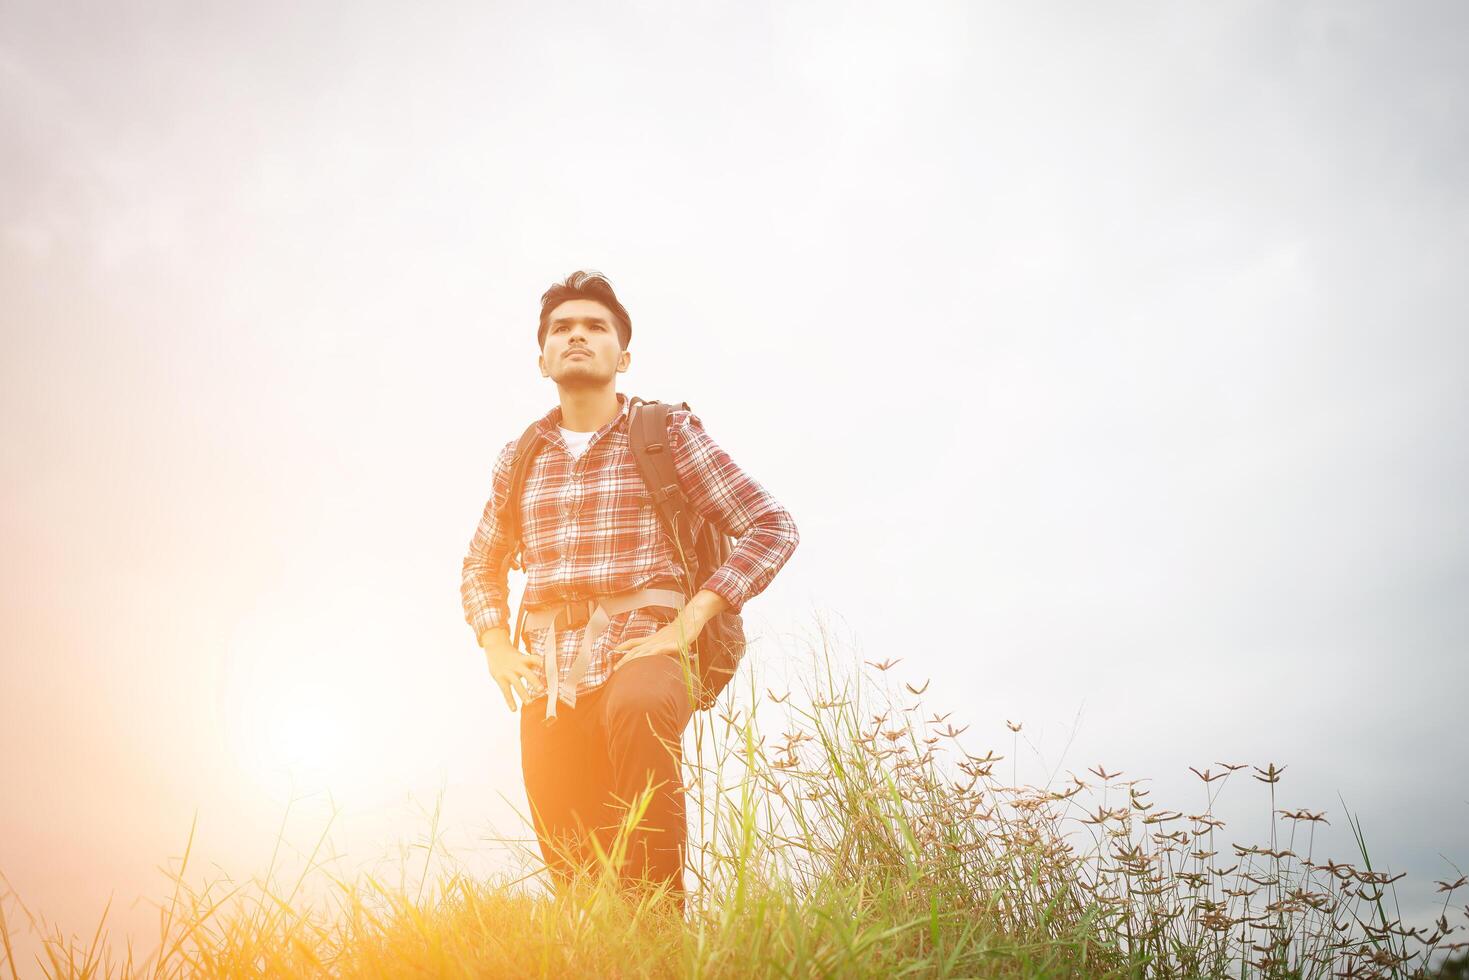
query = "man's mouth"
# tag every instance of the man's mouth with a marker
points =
(578, 350)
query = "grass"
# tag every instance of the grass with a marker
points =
(861, 839)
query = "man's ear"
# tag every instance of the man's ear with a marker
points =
(623, 360)
(541, 362)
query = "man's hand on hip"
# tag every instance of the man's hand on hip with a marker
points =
(677, 635)
(512, 670)
(668, 640)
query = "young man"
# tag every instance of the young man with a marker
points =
(604, 692)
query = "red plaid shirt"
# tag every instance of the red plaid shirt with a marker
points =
(590, 529)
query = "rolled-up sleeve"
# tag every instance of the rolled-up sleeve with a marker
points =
(483, 587)
(722, 493)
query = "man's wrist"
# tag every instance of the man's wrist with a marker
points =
(705, 606)
(501, 632)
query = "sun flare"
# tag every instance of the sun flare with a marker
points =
(284, 711)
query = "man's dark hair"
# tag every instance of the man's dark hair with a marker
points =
(585, 284)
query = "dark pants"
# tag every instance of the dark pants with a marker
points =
(584, 769)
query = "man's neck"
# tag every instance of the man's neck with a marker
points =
(588, 410)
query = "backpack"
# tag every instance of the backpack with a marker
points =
(721, 643)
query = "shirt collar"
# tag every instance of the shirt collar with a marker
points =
(550, 422)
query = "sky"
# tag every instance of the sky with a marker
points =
(1112, 360)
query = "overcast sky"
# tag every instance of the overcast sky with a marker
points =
(1112, 360)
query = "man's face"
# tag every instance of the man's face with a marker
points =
(582, 349)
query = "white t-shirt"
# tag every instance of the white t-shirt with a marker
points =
(576, 441)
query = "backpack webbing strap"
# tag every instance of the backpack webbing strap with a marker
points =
(601, 612)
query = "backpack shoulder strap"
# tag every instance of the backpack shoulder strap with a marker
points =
(648, 436)
(525, 451)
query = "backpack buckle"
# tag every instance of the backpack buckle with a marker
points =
(662, 495)
(573, 614)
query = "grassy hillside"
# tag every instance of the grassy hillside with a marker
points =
(861, 839)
